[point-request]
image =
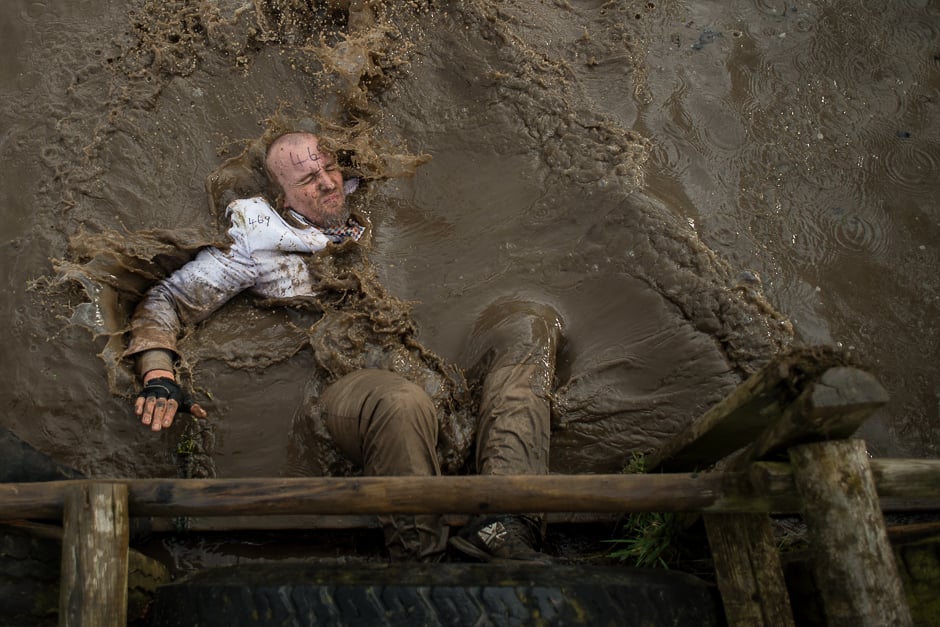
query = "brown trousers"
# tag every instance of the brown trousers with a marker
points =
(386, 425)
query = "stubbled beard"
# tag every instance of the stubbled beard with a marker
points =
(333, 219)
(325, 217)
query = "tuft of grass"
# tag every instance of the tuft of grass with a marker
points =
(636, 465)
(649, 538)
(188, 444)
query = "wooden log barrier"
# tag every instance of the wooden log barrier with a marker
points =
(764, 487)
(903, 485)
(747, 563)
(831, 404)
(93, 589)
(854, 564)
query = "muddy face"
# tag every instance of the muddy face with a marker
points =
(637, 166)
(310, 179)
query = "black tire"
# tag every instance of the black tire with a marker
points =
(434, 594)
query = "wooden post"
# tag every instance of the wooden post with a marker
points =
(93, 587)
(747, 565)
(853, 561)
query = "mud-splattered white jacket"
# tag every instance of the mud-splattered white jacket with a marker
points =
(266, 257)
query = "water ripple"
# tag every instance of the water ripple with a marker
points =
(806, 238)
(919, 27)
(667, 157)
(910, 165)
(815, 231)
(719, 125)
(856, 233)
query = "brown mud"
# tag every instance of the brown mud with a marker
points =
(693, 188)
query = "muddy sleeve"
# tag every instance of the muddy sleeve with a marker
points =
(191, 294)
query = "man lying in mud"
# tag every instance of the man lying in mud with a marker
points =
(381, 421)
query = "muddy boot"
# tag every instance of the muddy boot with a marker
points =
(421, 538)
(501, 539)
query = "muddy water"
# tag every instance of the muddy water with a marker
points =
(688, 184)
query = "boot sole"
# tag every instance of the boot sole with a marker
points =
(470, 549)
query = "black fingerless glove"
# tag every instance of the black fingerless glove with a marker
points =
(165, 387)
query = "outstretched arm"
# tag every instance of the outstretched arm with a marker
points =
(189, 295)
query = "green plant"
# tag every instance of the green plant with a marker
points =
(649, 538)
(187, 443)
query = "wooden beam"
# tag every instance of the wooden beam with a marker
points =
(336, 521)
(747, 563)
(740, 417)
(763, 487)
(93, 589)
(831, 408)
(853, 561)
(903, 485)
(385, 495)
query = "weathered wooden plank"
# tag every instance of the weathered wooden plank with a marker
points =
(853, 561)
(740, 417)
(832, 408)
(747, 564)
(93, 590)
(747, 593)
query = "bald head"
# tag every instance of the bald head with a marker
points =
(310, 179)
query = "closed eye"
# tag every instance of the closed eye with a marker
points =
(310, 178)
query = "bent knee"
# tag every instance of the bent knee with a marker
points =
(406, 403)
